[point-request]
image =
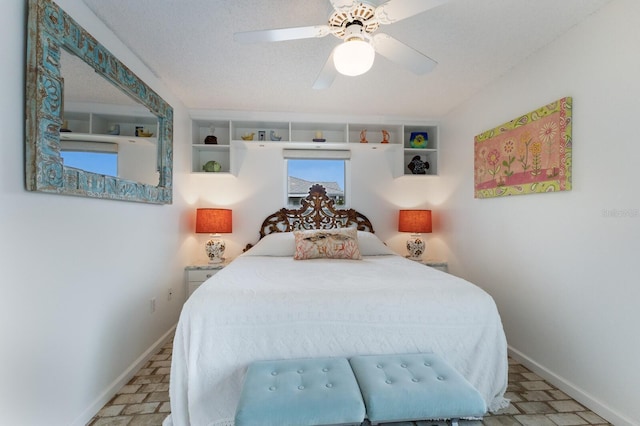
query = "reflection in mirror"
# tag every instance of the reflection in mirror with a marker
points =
(103, 159)
(119, 118)
(99, 126)
(78, 77)
(125, 157)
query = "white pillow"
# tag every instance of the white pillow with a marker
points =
(370, 245)
(284, 244)
(275, 244)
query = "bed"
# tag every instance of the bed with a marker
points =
(279, 301)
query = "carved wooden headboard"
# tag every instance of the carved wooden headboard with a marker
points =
(317, 212)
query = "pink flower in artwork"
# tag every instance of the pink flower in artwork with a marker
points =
(508, 146)
(493, 157)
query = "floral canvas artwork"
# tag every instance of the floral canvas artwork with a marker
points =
(530, 154)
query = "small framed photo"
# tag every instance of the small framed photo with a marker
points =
(261, 135)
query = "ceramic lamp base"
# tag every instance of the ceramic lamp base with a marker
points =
(415, 247)
(215, 250)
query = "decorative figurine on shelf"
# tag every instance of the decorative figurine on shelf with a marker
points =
(419, 139)
(385, 136)
(212, 166)
(363, 136)
(274, 136)
(114, 129)
(247, 136)
(417, 166)
(211, 139)
(319, 137)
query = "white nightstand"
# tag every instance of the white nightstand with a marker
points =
(440, 265)
(197, 274)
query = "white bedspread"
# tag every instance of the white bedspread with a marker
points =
(275, 307)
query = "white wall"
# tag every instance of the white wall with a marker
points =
(563, 273)
(137, 161)
(77, 274)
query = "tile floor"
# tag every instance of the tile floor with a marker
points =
(145, 399)
(534, 402)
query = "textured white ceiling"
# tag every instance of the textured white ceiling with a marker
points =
(189, 45)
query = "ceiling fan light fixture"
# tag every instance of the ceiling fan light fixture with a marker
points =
(354, 57)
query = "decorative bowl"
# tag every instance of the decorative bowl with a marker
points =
(419, 139)
(212, 166)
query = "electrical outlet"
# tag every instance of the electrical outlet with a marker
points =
(170, 295)
(152, 304)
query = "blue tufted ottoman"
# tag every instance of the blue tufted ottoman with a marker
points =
(300, 392)
(414, 387)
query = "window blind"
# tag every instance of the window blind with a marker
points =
(320, 154)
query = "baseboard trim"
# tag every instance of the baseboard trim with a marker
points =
(122, 380)
(572, 390)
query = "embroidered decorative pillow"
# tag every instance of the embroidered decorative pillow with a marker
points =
(329, 243)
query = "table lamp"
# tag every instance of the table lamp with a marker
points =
(416, 222)
(214, 222)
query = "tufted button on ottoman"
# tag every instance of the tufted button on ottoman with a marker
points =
(300, 392)
(413, 387)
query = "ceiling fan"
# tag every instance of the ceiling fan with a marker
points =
(356, 23)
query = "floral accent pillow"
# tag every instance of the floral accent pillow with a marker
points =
(328, 243)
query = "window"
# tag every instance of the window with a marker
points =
(95, 157)
(330, 173)
(104, 163)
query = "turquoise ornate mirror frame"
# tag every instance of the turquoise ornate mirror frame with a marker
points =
(50, 30)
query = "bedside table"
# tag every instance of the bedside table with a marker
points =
(440, 265)
(197, 274)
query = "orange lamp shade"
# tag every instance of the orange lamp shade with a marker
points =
(213, 221)
(415, 221)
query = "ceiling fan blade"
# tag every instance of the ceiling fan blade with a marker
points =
(342, 5)
(327, 75)
(399, 52)
(395, 10)
(282, 34)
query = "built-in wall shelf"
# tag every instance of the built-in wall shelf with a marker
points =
(101, 119)
(104, 130)
(94, 137)
(234, 134)
(428, 155)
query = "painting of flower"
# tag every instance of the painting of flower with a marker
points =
(529, 154)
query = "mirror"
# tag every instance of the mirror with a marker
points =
(52, 34)
(99, 126)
